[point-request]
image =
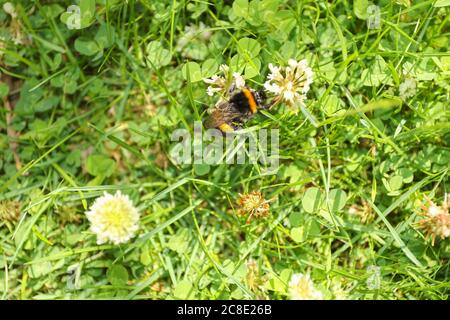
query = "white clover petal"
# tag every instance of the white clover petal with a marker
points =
(238, 80)
(288, 96)
(213, 79)
(273, 68)
(292, 63)
(272, 87)
(301, 287)
(434, 210)
(289, 73)
(210, 91)
(224, 68)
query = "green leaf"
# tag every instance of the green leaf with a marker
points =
(285, 22)
(52, 10)
(376, 74)
(360, 8)
(406, 174)
(331, 104)
(87, 9)
(279, 283)
(209, 68)
(395, 183)
(40, 269)
(328, 70)
(86, 47)
(28, 98)
(313, 229)
(337, 199)
(191, 70)
(4, 89)
(312, 200)
(46, 104)
(252, 68)
(157, 55)
(237, 63)
(145, 257)
(248, 48)
(295, 219)
(180, 241)
(441, 3)
(240, 8)
(117, 275)
(184, 290)
(201, 169)
(297, 234)
(105, 36)
(99, 165)
(287, 50)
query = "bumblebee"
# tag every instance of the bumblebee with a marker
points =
(242, 106)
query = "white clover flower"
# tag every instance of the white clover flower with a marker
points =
(113, 218)
(291, 83)
(239, 80)
(301, 287)
(224, 84)
(216, 84)
(407, 88)
(8, 7)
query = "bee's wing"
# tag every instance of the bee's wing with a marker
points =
(223, 113)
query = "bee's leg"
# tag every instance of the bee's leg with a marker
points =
(245, 117)
(237, 124)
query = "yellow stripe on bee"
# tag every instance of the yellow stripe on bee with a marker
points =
(225, 128)
(251, 99)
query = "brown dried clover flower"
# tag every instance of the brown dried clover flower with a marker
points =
(10, 210)
(253, 204)
(436, 221)
(364, 212)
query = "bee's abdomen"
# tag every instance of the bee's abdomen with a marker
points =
(244, 101)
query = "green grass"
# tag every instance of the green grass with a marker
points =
(91, 110)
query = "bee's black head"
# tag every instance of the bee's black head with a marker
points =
(260, 97)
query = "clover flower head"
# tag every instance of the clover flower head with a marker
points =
(254, 205)
(436, 219)
(224, 84)
(363, 211)
(10, 210)
(8, 7)
(301, 287)
(113, 218)
(291, 83)
(407, 88)
(15, 26)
